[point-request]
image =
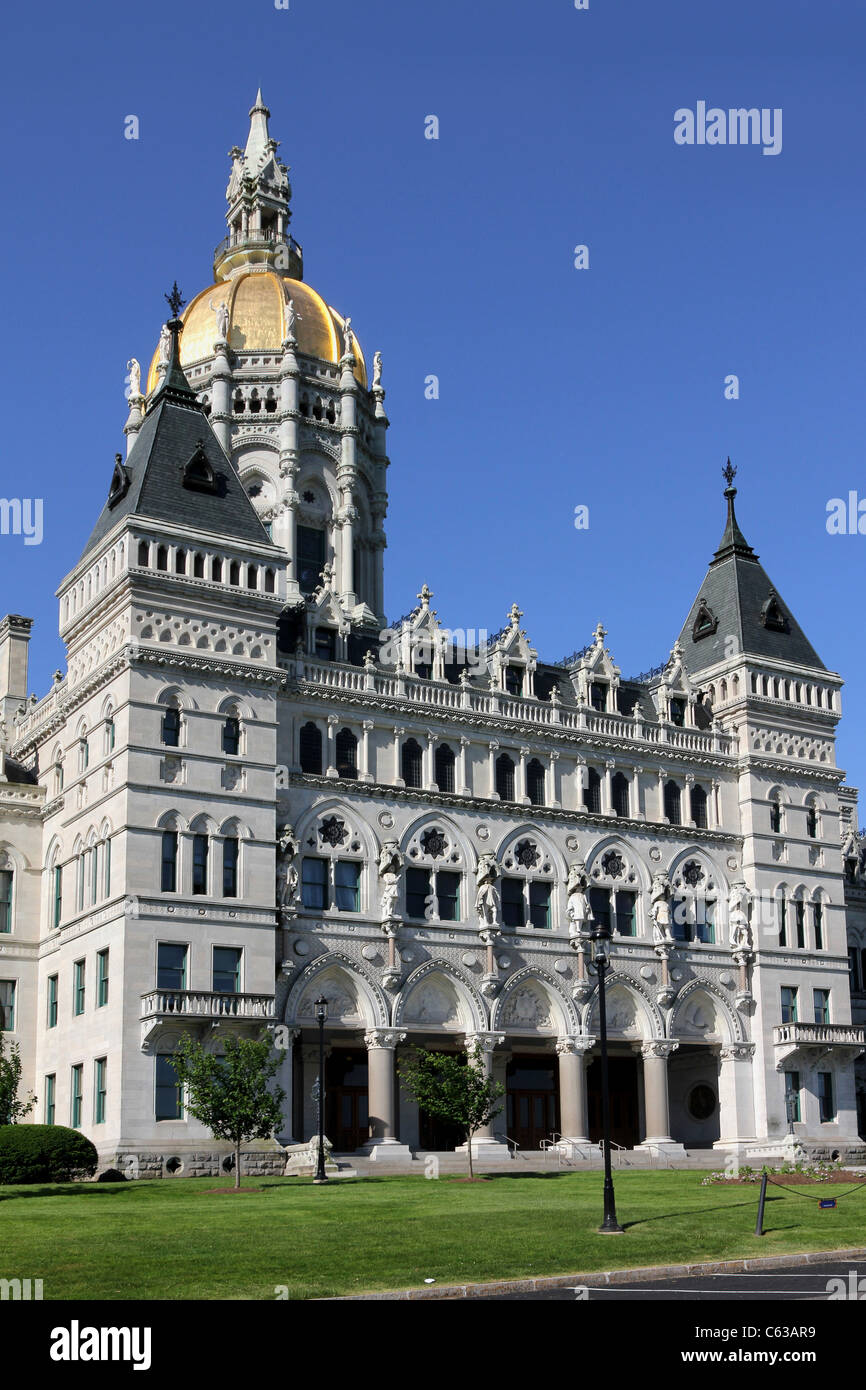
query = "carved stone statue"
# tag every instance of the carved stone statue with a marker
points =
(391, 861)
(851, 856)
(222, 319)
(487, 904)
(288, 880)
(660, 910)
(347, 338)
(134, 369)
(291, 318)
(738, 922)
(577, 906)
(377, 369)
(164, 345)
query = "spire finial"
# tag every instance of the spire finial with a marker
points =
(729, 473)
(175, 300)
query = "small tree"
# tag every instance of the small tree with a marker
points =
(230, 1094)
(453, 1087)
(11, 1108)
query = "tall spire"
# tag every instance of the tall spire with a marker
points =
(258, 215)
(733, 541)
(258, 140)
(174, 385)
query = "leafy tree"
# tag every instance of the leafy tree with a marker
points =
(11, 1108)
(453, 1087)
(230, 1094)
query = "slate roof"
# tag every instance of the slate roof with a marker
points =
(736, 591)
(174, 427)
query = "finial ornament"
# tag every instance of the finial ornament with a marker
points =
(729, 473)
(425, 596)
(175, 300)
(514, 615)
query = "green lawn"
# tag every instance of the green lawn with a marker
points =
(172, 1239)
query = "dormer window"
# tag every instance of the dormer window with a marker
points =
(598, 696)
(705, 622)
(326, 643)
(773, 615)
(678, 712)
(119, 482)
(514, 680)
(198, 473)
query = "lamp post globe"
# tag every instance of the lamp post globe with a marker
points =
(321, 1009)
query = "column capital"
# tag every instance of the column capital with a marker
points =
(554, 755)
(485, 1041)
(574, 1047)
(738, 1052)
(464, 741)
(367, 725)
(661, 1048)
(493, 745)
(333, 720)
(383, 1038)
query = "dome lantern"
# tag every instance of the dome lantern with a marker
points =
(258, 213)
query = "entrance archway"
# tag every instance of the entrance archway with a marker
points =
(624, 1100)
(532, 1098)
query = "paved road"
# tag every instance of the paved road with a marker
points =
(766, 1285)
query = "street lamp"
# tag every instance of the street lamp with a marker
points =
(599, 935)
(321, 1007)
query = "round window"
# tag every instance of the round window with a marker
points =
(702, 1102)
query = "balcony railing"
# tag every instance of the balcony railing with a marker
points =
(435, 695)
(198, 1004)
(819, 1035)
(256, 237)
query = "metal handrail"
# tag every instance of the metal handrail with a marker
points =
(515, 1145)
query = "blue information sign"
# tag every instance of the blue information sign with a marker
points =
(826, 1203)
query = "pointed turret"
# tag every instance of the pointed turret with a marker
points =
(738, 610)
(258, 214)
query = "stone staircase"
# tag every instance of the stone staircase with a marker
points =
(525, 1161)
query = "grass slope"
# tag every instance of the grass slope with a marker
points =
(173, 1239)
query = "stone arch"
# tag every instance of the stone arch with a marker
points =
(203, 824)
(530, 831)
(471, 1017)
(334, 805)
(176, 695)
(727, 1019)
(638, 1016)
(171, 820)
(372, 1009)
(458, 838)
(234, 705)
(513, 1006)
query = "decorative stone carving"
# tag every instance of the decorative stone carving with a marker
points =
(577, 906)
(377, 369)
(693, 873)
(288, 879)
(432, 1003)
(221, 311)
(613, 864)
(341, 1004)
(391, 861)
(134, 369)
(487, 904)
(333, 831)
(740, 930)
(622, 1017)
(383, 1037)
(525, 1009)
(660, 910)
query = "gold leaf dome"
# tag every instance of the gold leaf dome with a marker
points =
(256, 304)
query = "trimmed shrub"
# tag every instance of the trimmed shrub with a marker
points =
(44, 1153)
(111, 1175)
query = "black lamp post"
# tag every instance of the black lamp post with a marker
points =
(600, 936)
(321, 1015)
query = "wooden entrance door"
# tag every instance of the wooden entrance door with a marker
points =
(622, 1075)
(532, 1100)
(346, 1118)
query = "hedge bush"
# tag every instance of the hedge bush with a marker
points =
(44, 1153)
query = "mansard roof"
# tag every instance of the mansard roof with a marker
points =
(738, 609)
(177, 471)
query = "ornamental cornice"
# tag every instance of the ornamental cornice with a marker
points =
(608, 824)
(257, 436)
(658, 1047)
(788, 767)
(739, 1052)
(178, 660)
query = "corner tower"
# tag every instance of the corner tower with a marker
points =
(283, 379)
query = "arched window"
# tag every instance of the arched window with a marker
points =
(445, 768)
(198, 566)
(812, 821)
(171, 727)
(699, 807)
(231, 734)
(411, 760)
(514, 679)
(310, 749)
(162, 557)
(234, 572)
(619, 787)
(200, 851)
(775, 815)
(109, 733)
(592, 791)
(535, 782)
(270, 582)
(168, 879)
(180, 562)
(527, 886)
(347, 755)
(6, 877)
(230, 866)
(216, 570)
(505, 777)
(672, 803)
(144, 553)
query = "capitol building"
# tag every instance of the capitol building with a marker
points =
(251, 788)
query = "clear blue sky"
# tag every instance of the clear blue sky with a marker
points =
(558, 387)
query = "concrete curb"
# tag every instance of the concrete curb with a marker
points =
(597, 1278)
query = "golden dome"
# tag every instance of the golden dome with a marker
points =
(256, 303)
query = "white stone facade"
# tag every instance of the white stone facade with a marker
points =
(215, 695)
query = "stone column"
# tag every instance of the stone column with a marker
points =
(655, 1055)
(383, 1145)
(736, 1096)
(462, 781)
(398, 767)
(573, 1117)
(493, 747)
(554, 779)
(366, 728)
(429, 766)
(607, 787)
(661, 777)
(521, 778)
(689, 817)
(285, 1079)
(713, 805)
(485, 1143)
(221, 406)
(634, 801)
(331, 769)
